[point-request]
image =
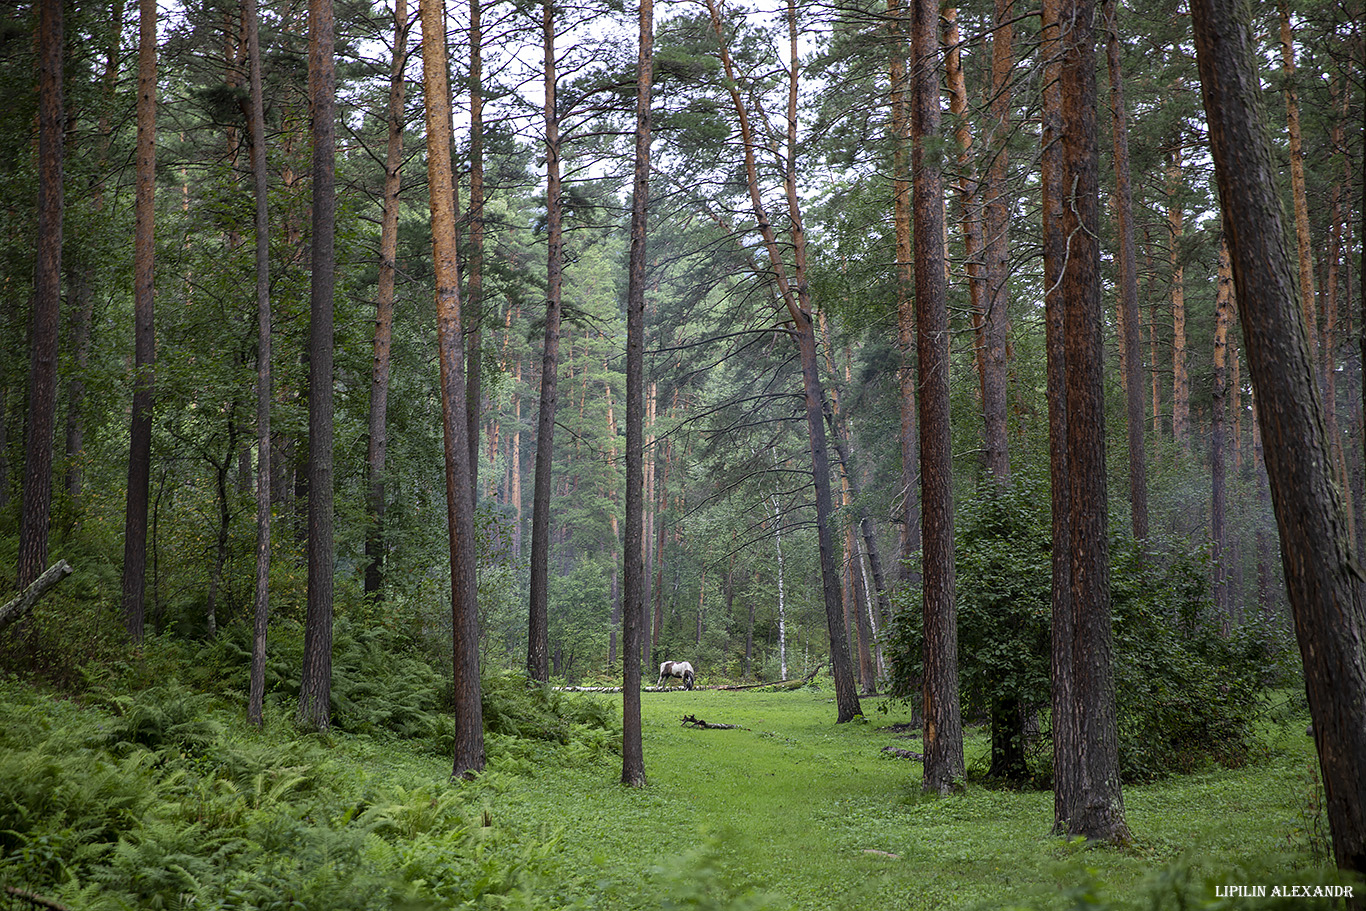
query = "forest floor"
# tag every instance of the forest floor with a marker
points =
(785, 810)
(791, 810)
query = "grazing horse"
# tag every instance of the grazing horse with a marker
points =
(680, 669)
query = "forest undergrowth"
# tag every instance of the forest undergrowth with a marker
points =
(148, 790)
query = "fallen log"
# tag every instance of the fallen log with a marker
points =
(899, 753)
(23, 603)
(694, 722)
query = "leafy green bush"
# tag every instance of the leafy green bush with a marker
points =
(1187, 693)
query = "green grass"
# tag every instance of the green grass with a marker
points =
(789, 810)
(813, 814)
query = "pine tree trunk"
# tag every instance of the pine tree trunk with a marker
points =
(144, 339)
(1303, 242)
(260, 181)
(1324, 587)
(82, 306)
(378, 445)
(943, 726)
(538, 646)
(633, 543)
(1223, 306)
(315, 690)
(1131, 363)
(1180, 375)
(802, 328)
(1099, 811)
(469, 756)
(996, 251)
(1066, 746)
(474, 274)
(909, 496)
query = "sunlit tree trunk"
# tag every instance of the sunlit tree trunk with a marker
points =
(1303, 242)
(1176, 228)
(908, 498)
(943, 726)
(469, 756)
(968, 190)
(1322, 580)
(315, 690)
(1223, 306)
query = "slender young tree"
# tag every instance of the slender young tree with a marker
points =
(633, 597)
(943, 725)
(908, 515)
(315, 690)
(144, 338)
(1322, 579)
(256, 124)
(1098, 812)
(538, 624)
(1298, 192)
(1176, 221)
(996, 250)
(469, 714)
(474, 274)
(1223, 306)
(378, 444)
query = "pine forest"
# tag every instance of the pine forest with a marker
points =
(401, 365)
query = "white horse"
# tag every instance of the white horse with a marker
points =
(681, 669)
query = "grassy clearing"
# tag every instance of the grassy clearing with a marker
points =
(794, 811)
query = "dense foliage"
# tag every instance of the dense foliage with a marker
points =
(1189, 691)
(157, 800)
